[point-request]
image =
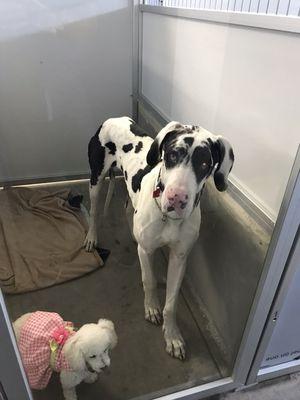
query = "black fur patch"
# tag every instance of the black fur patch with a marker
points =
(231, 155)
(112, 147)
(96, 154)
(198, 196)
(170, 139)
(161, 186)
(174, 156)
(137, 178)
(153, 155)
(200, 156)
(137, 130)
(126, 176)
(138, 147)
(127, 147)
(189, 140)
(214, 148)
(155, 151)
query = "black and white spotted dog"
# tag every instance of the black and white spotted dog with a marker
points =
(164, 178)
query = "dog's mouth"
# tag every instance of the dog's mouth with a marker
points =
(89, 368)
(175, 212)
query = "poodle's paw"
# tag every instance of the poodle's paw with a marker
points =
(153, 315)
(91, 241)
(175, 345)
(91, 378)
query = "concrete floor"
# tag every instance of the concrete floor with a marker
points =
(140, 365)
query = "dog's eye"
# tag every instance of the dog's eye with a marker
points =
(173, 156)
(204, 165)
(93, 356)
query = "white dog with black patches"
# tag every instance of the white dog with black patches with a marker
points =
(164, 178)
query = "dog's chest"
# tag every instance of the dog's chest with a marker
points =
(169, 233)
(156, 233)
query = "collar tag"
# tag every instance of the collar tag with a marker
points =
(156, 193)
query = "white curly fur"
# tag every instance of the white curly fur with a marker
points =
(87, 348)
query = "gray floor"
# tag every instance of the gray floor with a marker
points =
(140, 365)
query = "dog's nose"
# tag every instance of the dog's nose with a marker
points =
(177, 199)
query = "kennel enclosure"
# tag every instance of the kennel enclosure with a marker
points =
(163, 62)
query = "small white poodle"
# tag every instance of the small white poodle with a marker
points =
(47, 343)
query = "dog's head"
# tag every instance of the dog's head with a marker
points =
(90, 346)
(189, 155)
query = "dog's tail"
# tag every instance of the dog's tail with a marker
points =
(110, 191)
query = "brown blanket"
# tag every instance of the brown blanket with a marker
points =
(41, 239)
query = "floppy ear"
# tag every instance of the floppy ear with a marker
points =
(222, 153)
(74, 354)
(109, 325)
(155, 151)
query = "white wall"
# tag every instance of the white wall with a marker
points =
(65, 66)
(243, 83)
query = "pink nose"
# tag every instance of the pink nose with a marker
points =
(177, 199)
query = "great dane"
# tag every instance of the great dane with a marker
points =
(165, 178)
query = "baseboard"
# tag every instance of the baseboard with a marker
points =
(40, 180)
(43, 179)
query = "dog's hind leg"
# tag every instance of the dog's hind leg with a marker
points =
(110, 191)
(152, 307)
(91, 240)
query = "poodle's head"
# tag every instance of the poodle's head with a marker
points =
(90, 346)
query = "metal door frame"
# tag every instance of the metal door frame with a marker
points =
(12, 375)
(257, 373)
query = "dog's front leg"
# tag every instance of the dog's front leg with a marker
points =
(91, 239)
(69, 380)
(69, 393)
(174, 342)
(152, 307)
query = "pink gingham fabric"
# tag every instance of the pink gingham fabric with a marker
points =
(34, 346)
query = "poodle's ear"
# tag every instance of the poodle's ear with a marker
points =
(155, 151)
(74, 354)
(223, 156)
(109, 325)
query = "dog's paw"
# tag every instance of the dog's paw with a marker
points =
(175, 345)
(176, 348)
(153, 315)
(90, 241)
(91, 378)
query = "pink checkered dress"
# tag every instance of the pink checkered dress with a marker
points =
(34, 345)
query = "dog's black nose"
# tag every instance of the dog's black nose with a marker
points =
(183, 204)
